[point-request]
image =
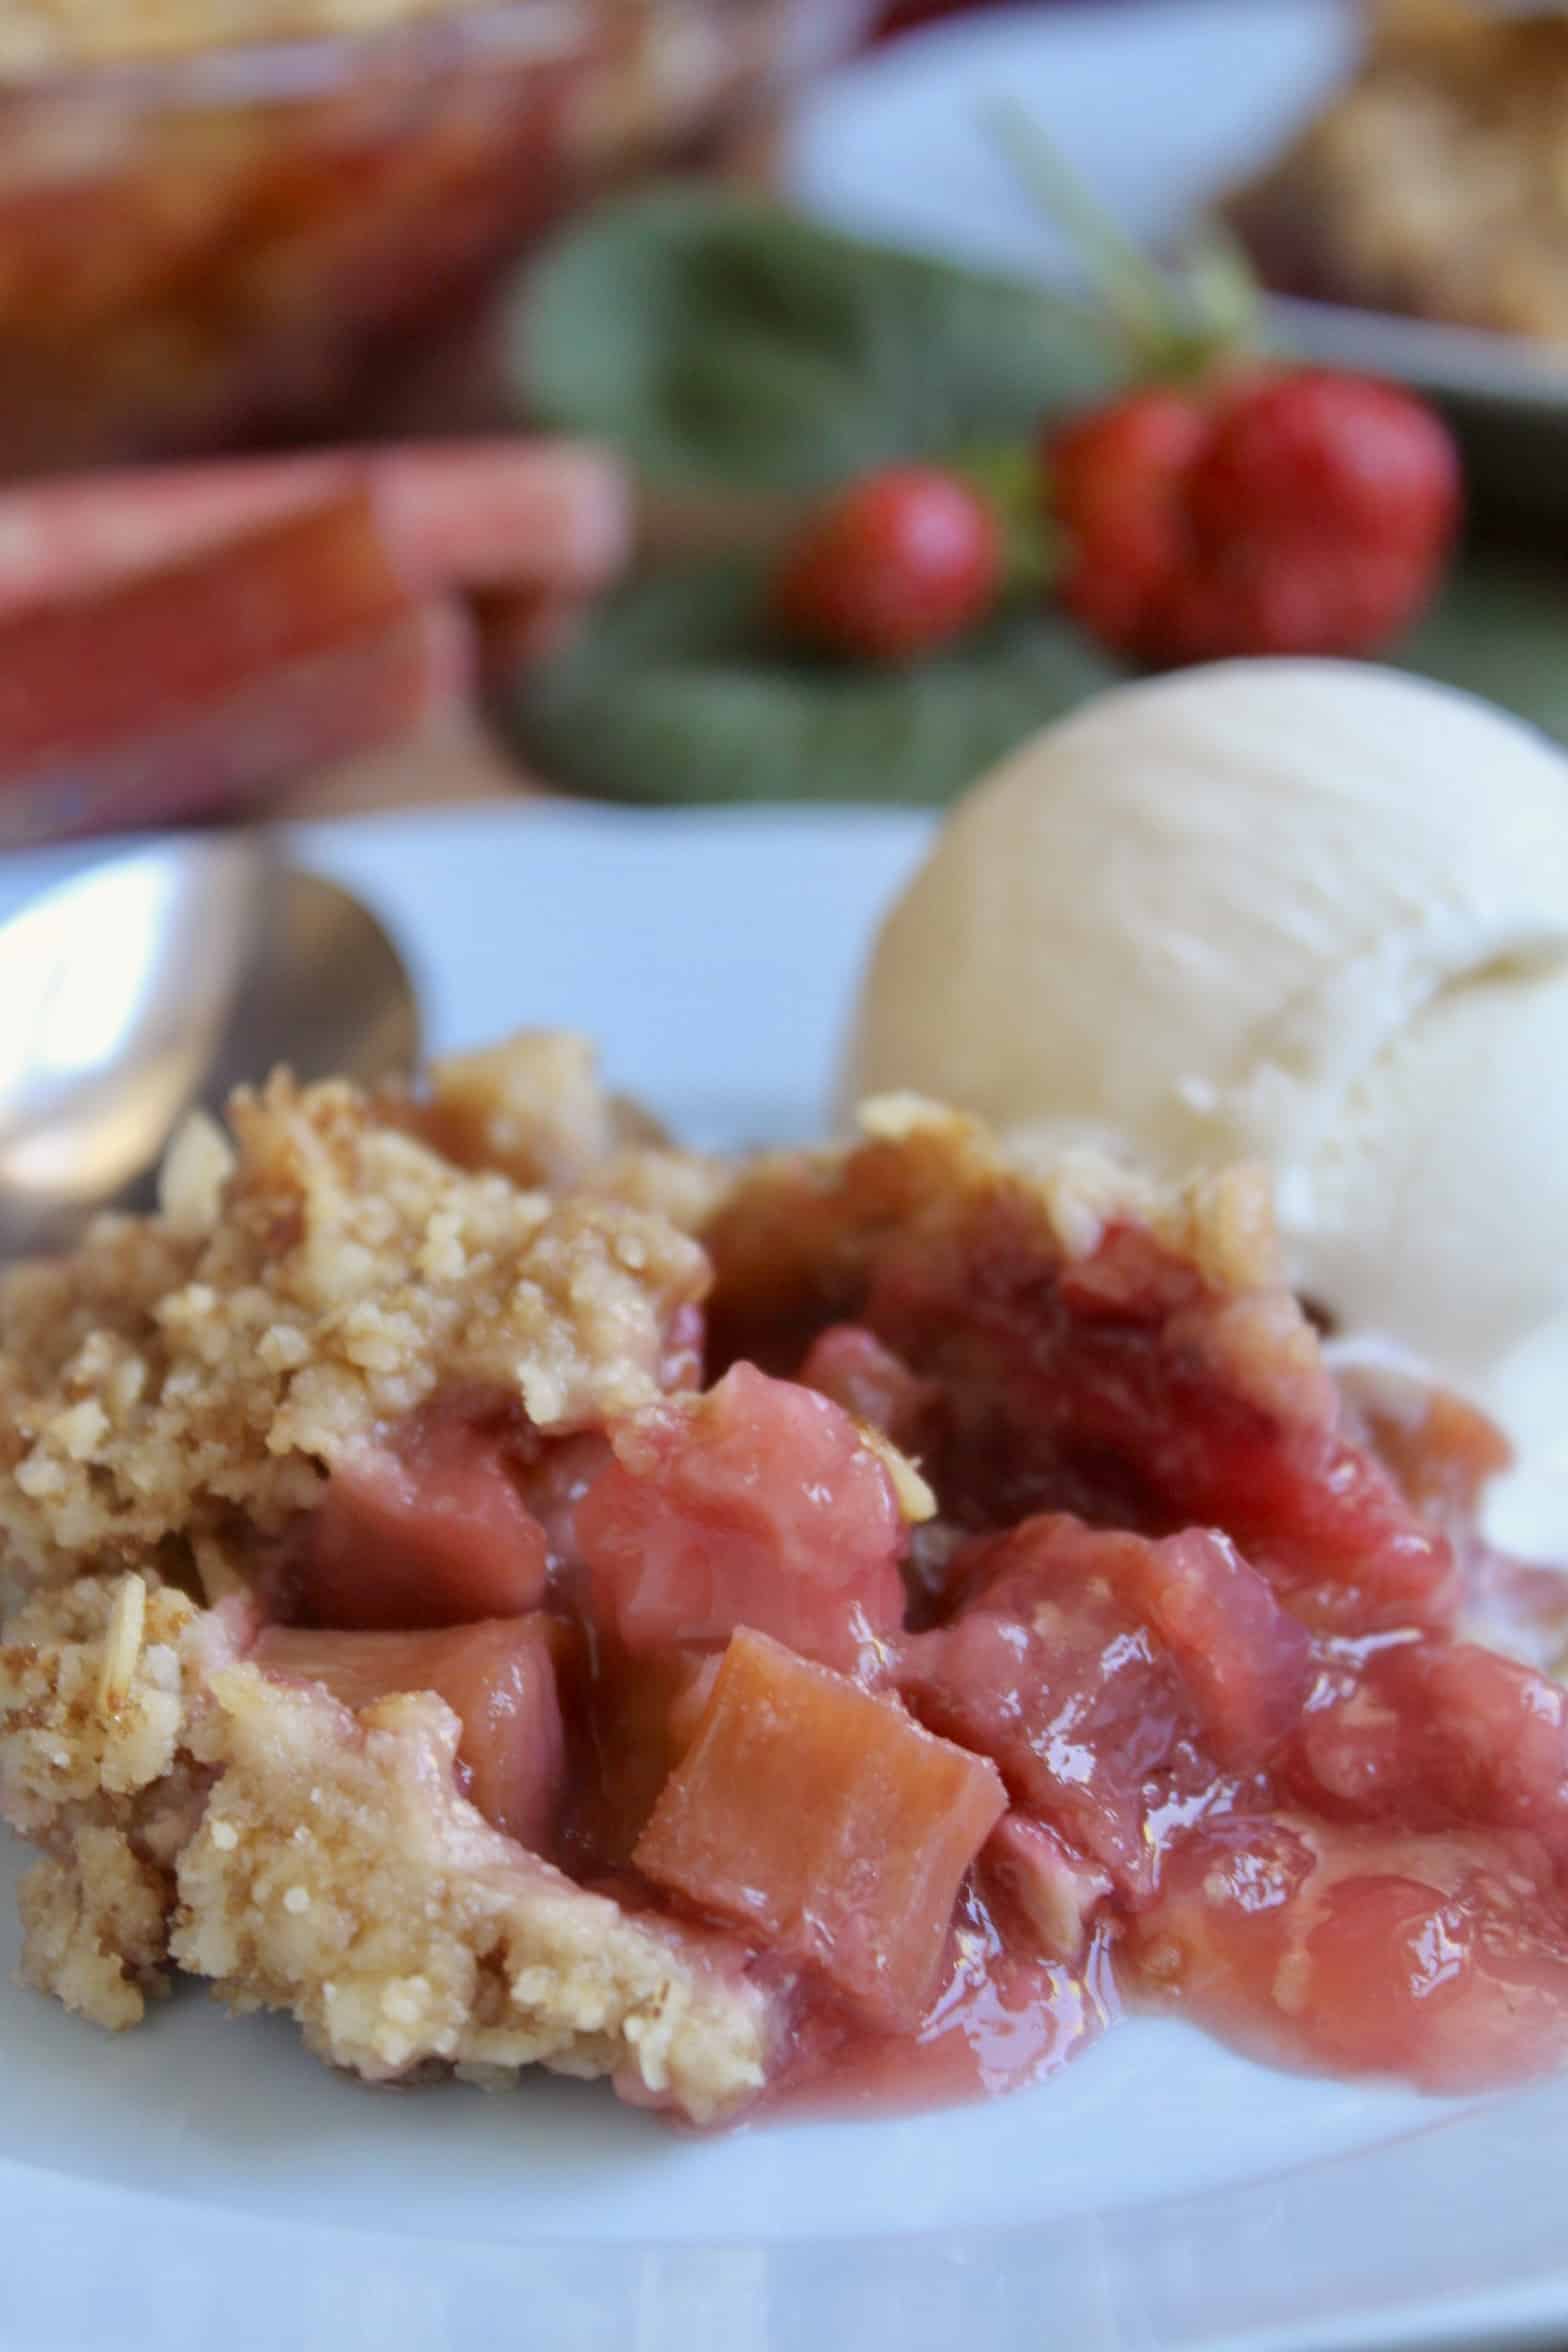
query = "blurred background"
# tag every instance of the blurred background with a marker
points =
(242, 228)
(224, 223)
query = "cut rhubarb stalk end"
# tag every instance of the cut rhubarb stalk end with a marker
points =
(499, 1679)
(108, 668)
(758, 1504)
(826, 1824)
(431, 1532)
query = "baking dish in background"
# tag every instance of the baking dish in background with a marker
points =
(199, 247)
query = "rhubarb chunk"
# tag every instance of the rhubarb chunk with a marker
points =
(1086, 1662)
(825, 1823)
(499, 1681)
(1437, 1735)
(850, 1365)
(757, 1504)
(431, 1532)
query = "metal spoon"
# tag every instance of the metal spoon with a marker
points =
(161, 980)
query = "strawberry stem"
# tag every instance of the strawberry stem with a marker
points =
(1225, 296)
(1177, 324)
(1137, 291)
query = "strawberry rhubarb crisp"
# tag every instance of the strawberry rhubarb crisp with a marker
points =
(506, 1592)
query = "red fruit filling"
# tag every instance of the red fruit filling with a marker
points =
(1103, 1392)
(498, 1678)
(823, 1820)
(1046, 1894)
(1436, 1735)
(1170, 1689)
(431, 1529)
(1438, 1957)
(759, 1504)
(1102, 1670)
(850, 1365)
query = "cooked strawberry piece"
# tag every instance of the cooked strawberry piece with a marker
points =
(498, 1678)
(1040, 1887)
(1078, 1706)
(1436, 1735)
(757, 1504)
(1087, 1662)
(1244, 1660)
(429, 1531)
(849, 1364)
(825, 1822)
(1439, 1958)
(1328, 1524)
(1094, 1389)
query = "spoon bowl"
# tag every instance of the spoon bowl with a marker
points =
(159, 981)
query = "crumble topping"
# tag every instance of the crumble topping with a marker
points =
(82, 1722)
(535, 1107)
(339, 1875)
(96, 1769)
(221, 1357)
(93, 1926)
(324, 1865)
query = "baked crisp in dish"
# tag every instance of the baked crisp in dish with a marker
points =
(507, 1593)
(1435, 183)
(37, 35)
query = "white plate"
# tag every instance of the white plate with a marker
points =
(203, 2184)
(1161, 105)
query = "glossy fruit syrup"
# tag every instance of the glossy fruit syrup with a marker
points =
(1160, 1696)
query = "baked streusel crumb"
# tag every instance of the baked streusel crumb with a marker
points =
(96, 1769)
(338, 1874)
(175, 1372)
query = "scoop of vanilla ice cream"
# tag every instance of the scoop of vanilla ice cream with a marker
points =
(1313, 912)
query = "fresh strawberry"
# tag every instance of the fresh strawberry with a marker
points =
(892, 566)
(1337, 496)
(1297, 512)
(1119, 479)
(1310, 449)
(1231, 506)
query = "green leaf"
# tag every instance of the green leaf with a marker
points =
(723, 342)
(1500, 630)
(673, 693)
